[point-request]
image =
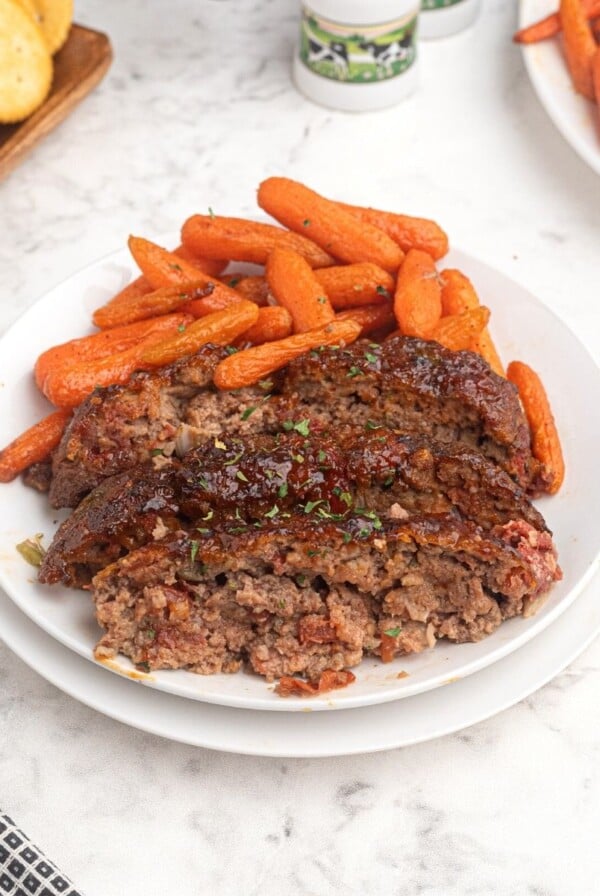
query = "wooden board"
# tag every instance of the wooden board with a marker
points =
(78, 67)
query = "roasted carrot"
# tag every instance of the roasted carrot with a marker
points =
(211, 266)
(161, 267)
(596, 74)
(551, 25)
(372, 318)
(151, 304)
(408, 232)
(32, 446)
(100, 345)
(353, 285)
(241, 240)
(74, 379)
(220, 328)
(458, 295)
(217, 296)
(295, 286)
(272, 324)
(417, 300)
(458, 331)
(250, 365)
(545, 441)
(580, 46)
(327, 223)
(254, 287)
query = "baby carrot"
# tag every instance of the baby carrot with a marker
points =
(327, 223)
(252, 364)
(354, 285)
(458, 296)
(272, 323)
(458, 331)
(241, 240)
(372, 318)
(253, 287)
(417, 301)
(32, 446)
(148, 305)
(551, 25)
(545, 441)
(161, 267)
(580, 46)
(296, 288)
(408, 232)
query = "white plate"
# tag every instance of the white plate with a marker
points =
(310, 735)
(577, 119)
(523, 328)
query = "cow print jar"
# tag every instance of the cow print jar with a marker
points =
(357, 56)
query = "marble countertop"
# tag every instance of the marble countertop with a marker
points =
(196, 110)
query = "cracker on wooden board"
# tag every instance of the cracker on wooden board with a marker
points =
(25, 63)
(55, 17)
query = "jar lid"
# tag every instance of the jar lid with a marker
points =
(362, 12)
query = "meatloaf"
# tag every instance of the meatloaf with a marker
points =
(299, 598)
(320, 475)
(409, 385)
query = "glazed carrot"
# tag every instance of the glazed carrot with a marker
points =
(151, 304)
(32, 446)
(100, 345)
(457, 331)
(579, 45)
(242, 240)
(219, 328)
(216, 297)
(458, 295)
(551, 25)
(161, 267)
(69, 383)
(353, 285)
(272, 324)
(371, 318)
(254, 288)
(294, 285)
(545, 441)
(408, 232)
(596, 74)
(327, 223)
(250, 365)
(417, 300)
(211, 266)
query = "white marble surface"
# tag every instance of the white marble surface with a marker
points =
(196, 109)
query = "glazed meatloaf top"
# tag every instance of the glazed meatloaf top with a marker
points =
(264, 476)
(410, 385)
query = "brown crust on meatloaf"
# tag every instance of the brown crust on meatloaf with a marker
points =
(229, 597)
(390, 474)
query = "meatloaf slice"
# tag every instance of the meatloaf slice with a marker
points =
(300, 598)
(379, 471)
(414, 385)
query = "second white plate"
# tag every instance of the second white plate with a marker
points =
(523, 329)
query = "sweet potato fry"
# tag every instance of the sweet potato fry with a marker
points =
(408, 232)
(69, 382)
(580, 46)
(254, 287)
(545, 441)
(458, 331)
(220, 328)
(161, 267)
(296, 288)
(458, 295)
(32, 446)
(250, 365)
(417, 300)
(551, 25)
(272, 323)
(327, 223)
(241, 240)
(100, 345)
(354, 285)
(150, 304)
(372, 318)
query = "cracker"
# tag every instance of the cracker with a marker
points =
(25, 63)
(55, 17)
(30, 7)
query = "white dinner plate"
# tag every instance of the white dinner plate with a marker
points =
(577, 119)
(523, 329)
(310, 734)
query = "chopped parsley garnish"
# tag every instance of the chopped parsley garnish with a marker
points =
(347, 537)
(211, 213)
(346, 497)
(382, 291)
(310, 506)
(270, 514)
(181, 328)
(282, 490)
(269, 474)
(306, 222)
(241, 476)
(312, 553)
(32, 550)
(176, 267)
(202, 531)
(157, 452)
(372, 359)
(203, 483)
(209, 515)
(370, 424)
(281, 604)
(237, 530)
(300, 580)
(393, 632)
(364, 533)
(354, 371)
(194, 550)
(231, 350)
(220, 445)
(233, 460)
(248, 413)
(321, 456)
(388, 480)
(234, 281)
(302, 426)
(265, 384)
(321, 300)
(150, 633)
(299, 458)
